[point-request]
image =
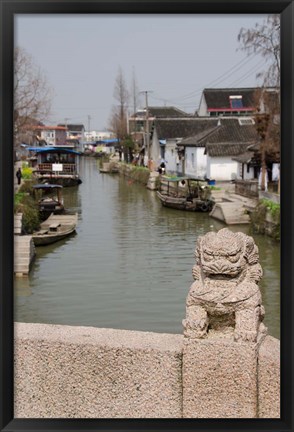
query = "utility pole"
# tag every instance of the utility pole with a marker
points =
(89, 119)
(65, 124)
(147, 124)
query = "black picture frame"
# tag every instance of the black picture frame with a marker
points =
(11, 7)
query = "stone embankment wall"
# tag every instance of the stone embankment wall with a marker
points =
(134, 172)
(84, 372)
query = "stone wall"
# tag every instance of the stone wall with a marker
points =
(85, 372)
(247, 188)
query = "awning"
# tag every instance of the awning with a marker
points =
(46, 186)
(52, 150)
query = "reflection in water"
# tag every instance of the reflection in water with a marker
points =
(130, 264)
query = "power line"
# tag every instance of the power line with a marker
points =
(248, 73)
(231, 70)
(215, 82)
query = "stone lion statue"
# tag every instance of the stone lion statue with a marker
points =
(225, 292)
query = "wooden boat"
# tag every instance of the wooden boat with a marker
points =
(55, 228)
(50, 204)
(185, 193)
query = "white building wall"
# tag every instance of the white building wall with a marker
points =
(98, 135)
(248, 175)
(171, 157)
(49, 136)
(222, 168)
(195, 162)
(201, 162)
(155, 154)
(202, 111)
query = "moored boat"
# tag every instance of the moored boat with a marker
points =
(55, 228)
(56, 165)
(185, 193)
(50, 204)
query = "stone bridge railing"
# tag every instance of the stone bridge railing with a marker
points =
(224, 366)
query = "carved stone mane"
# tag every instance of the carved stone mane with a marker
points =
(225, 291)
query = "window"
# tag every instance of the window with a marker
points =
(193, 160)
(139, 126)
(246, 121)
(236, 102)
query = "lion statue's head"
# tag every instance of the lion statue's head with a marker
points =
(225, 255)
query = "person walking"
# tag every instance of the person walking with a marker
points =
(19, 176)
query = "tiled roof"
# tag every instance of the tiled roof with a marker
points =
(230, 131)
(207, 131)
(199, 139)
(164, 112)
(244, 157)
(221, 137)
(74, 127)
(225, 149)
(220, 98)
(59, 127)
(183, 128)
(254, 147)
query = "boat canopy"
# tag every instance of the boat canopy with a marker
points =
(52, 150)
(107, 141)
(47, 186)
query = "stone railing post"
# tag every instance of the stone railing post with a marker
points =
(223, 329)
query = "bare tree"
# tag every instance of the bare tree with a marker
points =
(114, 122)
(121, 94)
(32, 94)
(119, 114)
(264, 39)
(134, 92)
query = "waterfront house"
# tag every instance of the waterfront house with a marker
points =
(193, 152)
(75, 132)
(51, 135)
(219, 102)
(212, 152)
(168, 134)
(56, 165)
(250, 166)
(137, 128)
(232, 138)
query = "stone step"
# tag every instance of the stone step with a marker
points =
(24, 252)
(230, 213)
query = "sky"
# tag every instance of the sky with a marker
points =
(173, 57)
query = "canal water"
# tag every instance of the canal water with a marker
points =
(129, 265)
